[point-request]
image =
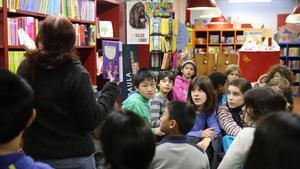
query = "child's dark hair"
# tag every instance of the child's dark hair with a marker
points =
(276, 143)
(203, 83)
(242, 84)
(184, 115)
(127, 141)
(16, 105)
(143, 74)
(217, 79)
(262, 101)
(283, 70)
(165, 73)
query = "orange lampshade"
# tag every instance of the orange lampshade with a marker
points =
(200, 4)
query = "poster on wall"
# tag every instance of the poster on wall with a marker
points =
(137, 22)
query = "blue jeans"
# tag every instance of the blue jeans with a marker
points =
(73, 163)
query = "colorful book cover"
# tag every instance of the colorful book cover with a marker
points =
(112, 59)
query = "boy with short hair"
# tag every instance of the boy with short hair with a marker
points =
(174, 151)
(165, 83)
(144, 82)
(16, 114)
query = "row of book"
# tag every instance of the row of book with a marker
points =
(75, 9)
(85, 34)
(215, 39)
(291, 51)
(29, 24)
(293, 64)
(14, 60)
(165, 26)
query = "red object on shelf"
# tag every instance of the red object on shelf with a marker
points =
(219, 26)
(221, 19)
(254, 64)
(219, 23)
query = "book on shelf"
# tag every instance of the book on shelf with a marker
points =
(112, 59)
(28, 24)
(25, 40)
(14, 60)
(213, 50)
(106, 29)
(75, 9)
(213, 39)
(294, 51)
(240, 39)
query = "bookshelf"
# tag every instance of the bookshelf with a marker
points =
(84, 24)
(217, 48)
(290, 56)
(109, 10)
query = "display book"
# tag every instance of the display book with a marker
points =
(163, 32)
(112, 60)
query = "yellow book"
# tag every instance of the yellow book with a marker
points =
(164, 26)
(173, 44)
(175, 26)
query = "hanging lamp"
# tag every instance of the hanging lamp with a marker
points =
(206, 8)
(294, 17)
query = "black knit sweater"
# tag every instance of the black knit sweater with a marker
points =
(67, 111)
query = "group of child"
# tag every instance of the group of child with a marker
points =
(191, 127)
(50, 111)
(219, 101)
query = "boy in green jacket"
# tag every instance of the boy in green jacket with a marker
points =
(145, 85)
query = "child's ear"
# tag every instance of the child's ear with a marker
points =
(172, 124)
(31, 119)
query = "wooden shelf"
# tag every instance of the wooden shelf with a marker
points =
(15, 47)
(227, 44)
(42, 16)
(290, 57)
(295, 70)
(107, 4)
(108, 38)
(84, 47)
(202, 44)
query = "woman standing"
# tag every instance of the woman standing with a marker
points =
(67, 110)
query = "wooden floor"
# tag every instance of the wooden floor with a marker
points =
(297, 105)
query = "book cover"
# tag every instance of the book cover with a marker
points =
(106, 29)
(112, 59)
